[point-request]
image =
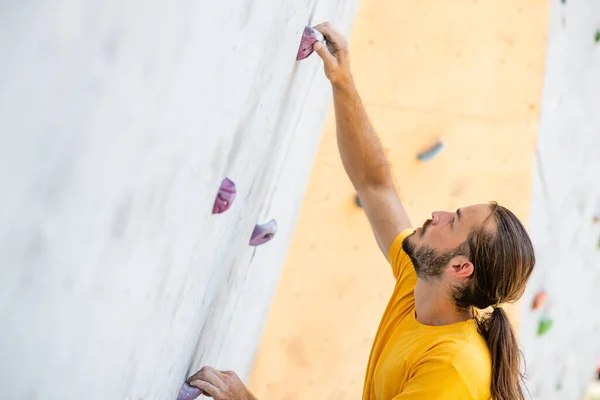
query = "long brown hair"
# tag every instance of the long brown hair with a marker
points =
(503, 260)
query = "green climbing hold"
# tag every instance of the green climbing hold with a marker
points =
(544, 326)
(597, 36)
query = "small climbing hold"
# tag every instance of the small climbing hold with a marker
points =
(225, 196)
(188, 392)
(597, 36)
(263, 233)
(357, 201)
(593, 390)
(431, 152)
(544, 326)
(539, 300)
(309, 37)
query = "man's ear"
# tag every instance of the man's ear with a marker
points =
(461, 267)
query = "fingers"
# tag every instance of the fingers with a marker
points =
(207, 388)
(220, 385)
(210, 378)
(332, 35)
(324, 53)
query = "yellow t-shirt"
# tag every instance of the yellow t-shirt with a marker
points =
(410, 360)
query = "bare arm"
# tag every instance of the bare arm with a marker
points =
(361, 151)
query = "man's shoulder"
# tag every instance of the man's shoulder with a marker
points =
(465, 350)
(467, 358)
(397, 257)
(474, 359)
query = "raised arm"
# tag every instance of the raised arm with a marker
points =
(361, 151)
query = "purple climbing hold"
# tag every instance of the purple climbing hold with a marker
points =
(263, 233)
(225, 197)
(188, 392)
(309, 37)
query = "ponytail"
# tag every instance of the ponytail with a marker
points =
(503, 259)
(506, 356)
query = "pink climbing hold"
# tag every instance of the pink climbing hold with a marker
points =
(225, 197)
(309, 38)
(188, 392)
(263, 233)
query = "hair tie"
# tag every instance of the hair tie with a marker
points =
(497, 305)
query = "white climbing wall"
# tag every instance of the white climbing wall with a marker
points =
(118, 121)
(566, 195)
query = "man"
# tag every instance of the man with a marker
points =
(431, 342)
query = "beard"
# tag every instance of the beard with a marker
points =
(428, 264)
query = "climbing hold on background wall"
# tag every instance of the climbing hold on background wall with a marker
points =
(357, 201)
(309, 37)
(431, 152)
(558, 386)
(188, 392)
(597, 36)
(593, 390)
(225, 197)
(544, 326)
(263, 233)
(539, 300)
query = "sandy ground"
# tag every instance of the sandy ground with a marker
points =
(467, 72)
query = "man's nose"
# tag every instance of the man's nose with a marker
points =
(438, 216)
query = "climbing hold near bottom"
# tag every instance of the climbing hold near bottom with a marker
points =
(431, 152)
(309, 38)
(188, 392)
(544, 326)
(225, 196)
(357, 201)
(539, 300)
(263, 233)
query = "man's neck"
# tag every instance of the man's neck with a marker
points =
(433, 307)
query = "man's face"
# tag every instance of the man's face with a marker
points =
(432, 246)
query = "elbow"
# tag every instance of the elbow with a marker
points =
(375, 182)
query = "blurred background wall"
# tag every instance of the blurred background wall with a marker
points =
(565, 209)
(118, 121)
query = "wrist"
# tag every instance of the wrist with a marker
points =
(344, 82)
